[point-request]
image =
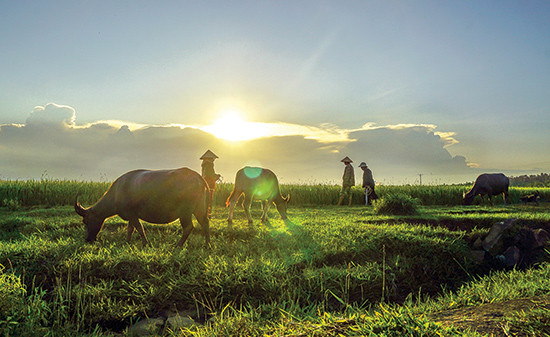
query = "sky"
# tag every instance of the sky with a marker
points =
(445, 90)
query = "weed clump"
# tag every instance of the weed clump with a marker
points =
(20, 311)
(11, 204)
(396, 204)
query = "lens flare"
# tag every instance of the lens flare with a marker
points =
(252, 172)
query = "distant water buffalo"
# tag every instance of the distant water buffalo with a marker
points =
(154, 196)
(488, 184)
(257, 183)
(535, 197)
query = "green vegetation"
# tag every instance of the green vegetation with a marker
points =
(533, 180)
(396, 204)
(49, 193)
(331, 270)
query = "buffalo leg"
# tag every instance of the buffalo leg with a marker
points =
(265, 207)
(187, 227)
(135, 223)
(131, 230)
(246, 207)
(231, 205)
(231, 209)
(204, 221)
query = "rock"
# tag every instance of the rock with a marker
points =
(541, 238)
(478, 256)
(501, 259)
(177, 322)
(478, 244)
(512, 256)
(492, 240)
(508, 248)
(146, 327)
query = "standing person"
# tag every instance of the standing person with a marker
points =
(209, 175)
(348, 180)
(368, 183)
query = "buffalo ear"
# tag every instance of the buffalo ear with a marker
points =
(78, 207)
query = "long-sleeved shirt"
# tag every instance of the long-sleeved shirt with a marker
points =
(209, 174)
(348, 179)
(368, 180)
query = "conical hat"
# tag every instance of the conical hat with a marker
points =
(208, 155)
(346, 160)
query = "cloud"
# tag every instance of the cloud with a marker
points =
(325, 133)
(405, 151)
(51, 141)
(53, 115)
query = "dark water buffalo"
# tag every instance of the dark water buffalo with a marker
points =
(257, 183)
(488, 184)
(535, 197)
(153, 196)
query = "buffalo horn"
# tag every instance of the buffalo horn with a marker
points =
(78, 208)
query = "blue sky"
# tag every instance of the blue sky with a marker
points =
(444, 88)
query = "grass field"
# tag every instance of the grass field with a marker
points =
(50, 193)
(329, 271)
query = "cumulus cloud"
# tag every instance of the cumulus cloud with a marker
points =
(51, 141)
(53, 115)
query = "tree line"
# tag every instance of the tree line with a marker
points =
(532, 180)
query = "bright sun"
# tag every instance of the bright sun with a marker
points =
(230, 126)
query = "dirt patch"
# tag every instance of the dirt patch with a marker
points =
(489, 318)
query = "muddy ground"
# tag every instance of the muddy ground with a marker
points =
(491, 318)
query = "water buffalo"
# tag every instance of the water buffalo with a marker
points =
(488, 184)
(257, 183)
(535, 197)
(159, 197)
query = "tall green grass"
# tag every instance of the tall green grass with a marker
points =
(50, 192)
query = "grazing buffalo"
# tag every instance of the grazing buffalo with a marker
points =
(154, 196)
(535, 197)
(488, 184)
(257, 183)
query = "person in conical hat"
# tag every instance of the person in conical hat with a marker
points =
(209, 155)
(348, 180)
(209, 174)
(346, 160)
(368, 184)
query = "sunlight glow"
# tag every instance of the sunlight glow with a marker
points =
(230, 126)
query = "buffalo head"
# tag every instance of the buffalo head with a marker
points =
(282, 206)
(93, 222)
(467, 199)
